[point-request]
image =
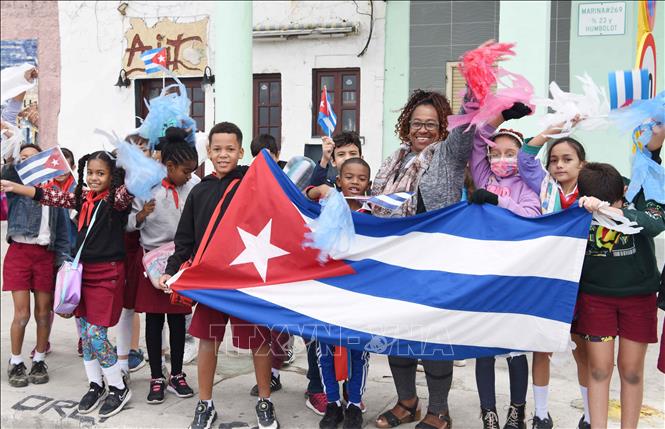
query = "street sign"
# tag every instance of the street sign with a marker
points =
(601, 19)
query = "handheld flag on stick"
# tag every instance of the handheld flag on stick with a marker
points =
(43, 167)
(628, 85)
(153, 59)
(327, 118)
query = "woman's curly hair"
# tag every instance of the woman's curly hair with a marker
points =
(420, 97)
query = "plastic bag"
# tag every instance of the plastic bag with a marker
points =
(300, 169)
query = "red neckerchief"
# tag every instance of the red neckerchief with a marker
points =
(567, 201)
(63, 186)
(168, 185)
(87, 207)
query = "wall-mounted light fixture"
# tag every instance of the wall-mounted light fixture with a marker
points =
(123, 80)
(208, 77)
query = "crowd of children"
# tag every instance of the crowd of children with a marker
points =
(112, 230)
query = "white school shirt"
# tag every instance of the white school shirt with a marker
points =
(44, 236)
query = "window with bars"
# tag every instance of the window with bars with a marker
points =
(343, 87)
(267, 106)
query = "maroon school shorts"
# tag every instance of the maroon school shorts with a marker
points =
(152, 300)
(661, 355)
(28, 267)
(102, 291)
(133, 272)
(631, 317)
(210, 324)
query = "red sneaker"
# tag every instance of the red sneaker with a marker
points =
(34, 349)
(317, 402)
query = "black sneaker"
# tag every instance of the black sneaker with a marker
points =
(275, 385)
(583, 424)
(115, 401)
(178, 386)
(265, 415)
(490, 418)
(545, 423)
(92, 399)
(38, 374)
(353, 417)
(204, 416)
(157, 387)
(17, 375)
(515, 418)
(334, 416)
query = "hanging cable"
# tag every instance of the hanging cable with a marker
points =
(371, 25)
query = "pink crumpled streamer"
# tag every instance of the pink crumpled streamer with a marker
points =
(477, 67)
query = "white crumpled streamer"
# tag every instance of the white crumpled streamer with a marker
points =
(614, 221)
(11, 146)
(592, 107)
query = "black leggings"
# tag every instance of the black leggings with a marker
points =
(154, 323)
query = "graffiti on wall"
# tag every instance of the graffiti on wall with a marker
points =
(186, 46)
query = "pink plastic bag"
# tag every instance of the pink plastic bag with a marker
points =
(67, 288)
(155, 262)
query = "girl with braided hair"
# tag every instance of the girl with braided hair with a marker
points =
(103, 280)
(157, 222)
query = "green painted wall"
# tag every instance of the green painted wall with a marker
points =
(232, 22)
(527, 23)
(396, 78)
(598, 55)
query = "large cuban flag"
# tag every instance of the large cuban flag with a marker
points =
(462, 282)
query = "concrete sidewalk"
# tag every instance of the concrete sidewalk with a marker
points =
(54, 404)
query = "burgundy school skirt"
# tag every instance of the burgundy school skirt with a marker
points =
(102, 292)
(661, 355)
(28, 267)
(152, 300)
(132, 271)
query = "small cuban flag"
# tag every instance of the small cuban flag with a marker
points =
(391, 201)
(327, 118)
(153, 59)
(628, 85)
(42, 167)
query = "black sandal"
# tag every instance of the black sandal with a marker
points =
(392, 420)
(442, 417)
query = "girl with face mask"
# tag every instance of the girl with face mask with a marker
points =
(494, 171)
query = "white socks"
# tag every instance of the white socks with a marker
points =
(585, 398)
(275, 372)
(16, 359)
(124, 331)
(94, 371)
(39, 356)
(540, 394)
(114, 376)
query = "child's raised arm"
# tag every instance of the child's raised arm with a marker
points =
(479, 165)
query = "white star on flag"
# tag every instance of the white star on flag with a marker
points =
(258, 250)
(55, 162)
(161, 58)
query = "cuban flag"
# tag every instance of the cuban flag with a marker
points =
(154, 60)
(391, 201)
(44, 166)
(461, 282)
(628, 85)
(327, 118)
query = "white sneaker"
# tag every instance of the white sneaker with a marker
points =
(459, 363)
(191, 350)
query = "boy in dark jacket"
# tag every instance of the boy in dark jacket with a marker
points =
(617, 297)
(224, 151)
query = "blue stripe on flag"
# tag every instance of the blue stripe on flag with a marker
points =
(33, 170)
(44, 178)
(147, 55)
(611, 76)
(34, 160)
(644, 77)
(520, 295)
(249, 308)
(628, 84)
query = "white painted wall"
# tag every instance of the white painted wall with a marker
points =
(92, 45)
(295, 59)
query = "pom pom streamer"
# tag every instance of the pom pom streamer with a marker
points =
(333, 231)
(592, 106)
(614, 221)
(477, 67)
(169, 109)
(11, 146)
(646, 174)
(141, 173)
(640, 111)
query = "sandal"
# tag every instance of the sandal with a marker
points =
(390, 420)
(445, 418)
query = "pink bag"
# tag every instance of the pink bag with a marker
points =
(155, 262)
(68, 281)
(4, 209)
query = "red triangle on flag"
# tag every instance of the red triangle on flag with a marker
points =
(258, 241)
(160, 58)
(57, 161)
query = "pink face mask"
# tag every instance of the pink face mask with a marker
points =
(503, 167)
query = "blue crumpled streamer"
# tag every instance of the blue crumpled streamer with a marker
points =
(639, 111)
(333, 231)
(648, 175)
(141, 172)
(168, 110)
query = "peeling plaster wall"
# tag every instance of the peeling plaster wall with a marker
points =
(39, 20)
